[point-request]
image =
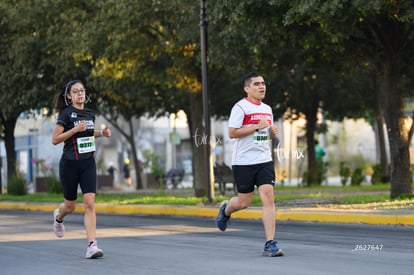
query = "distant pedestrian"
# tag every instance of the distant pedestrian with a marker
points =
(75, 127)
(111, 171)
(251, 128)
(319, 151)
(321, 168)
(127, 175)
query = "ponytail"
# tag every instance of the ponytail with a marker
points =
(61, 99)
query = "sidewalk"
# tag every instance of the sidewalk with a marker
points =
(307, 210)
(303, 214)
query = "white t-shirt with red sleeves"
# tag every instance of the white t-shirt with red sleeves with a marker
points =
(254, 148)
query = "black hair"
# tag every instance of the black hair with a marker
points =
(247, 78)
(61, 100)
(69, 85)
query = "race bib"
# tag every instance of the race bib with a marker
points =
(261, 137)
(86, 144)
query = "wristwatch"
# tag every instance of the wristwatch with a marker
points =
(256, 127)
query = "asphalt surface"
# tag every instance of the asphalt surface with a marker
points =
(154, 245)
(330, 214)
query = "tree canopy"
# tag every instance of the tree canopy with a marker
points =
(353, 58)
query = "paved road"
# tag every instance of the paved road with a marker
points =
(152, 245)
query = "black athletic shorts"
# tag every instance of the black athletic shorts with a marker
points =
(249, 176)
(74, 172)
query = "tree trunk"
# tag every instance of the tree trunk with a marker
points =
(391, 101)
(198, 145)
(311, 120)
(131, 139)
(9, 142)
(380, 142)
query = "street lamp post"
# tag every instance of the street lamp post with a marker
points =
(1, 174)
(206, 107)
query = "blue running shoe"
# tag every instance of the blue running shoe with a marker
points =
(272, 250)
(222, 219)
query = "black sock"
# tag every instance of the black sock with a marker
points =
(268, 242)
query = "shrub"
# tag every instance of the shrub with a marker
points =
(281, 176)
(304, 181)
(357, 177)
(321, 170)
(344, 173)
(53, 185)
(100, 166)
(17, 186)
(153, 162)
(377, 175)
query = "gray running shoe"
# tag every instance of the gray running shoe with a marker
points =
(93, 251)
(58, 228)
(271, 249)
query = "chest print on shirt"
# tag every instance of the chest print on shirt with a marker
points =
(89, 124)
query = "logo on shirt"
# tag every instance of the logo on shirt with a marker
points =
(74, 115)
(89, 124)
(257, 117)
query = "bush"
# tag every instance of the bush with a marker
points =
(321, 174)
(344, 173)
(53, 185)
(17, 186)
(152, 161)
(357, 177)
(321, 170)
(304, 181)
(377, 175)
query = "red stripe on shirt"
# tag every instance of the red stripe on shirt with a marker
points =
(254, 118)
(75, 148)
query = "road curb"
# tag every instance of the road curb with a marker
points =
(291, 214)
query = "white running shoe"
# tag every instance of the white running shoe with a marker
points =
(93, 251)
(58, 228)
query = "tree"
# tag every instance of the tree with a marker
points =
(299, 63)
(382, 30)
(143, 62)
(25, 75)
(134, 57)
(37, 52)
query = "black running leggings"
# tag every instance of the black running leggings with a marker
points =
(74, 172)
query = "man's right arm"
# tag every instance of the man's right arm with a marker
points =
(241, 132)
